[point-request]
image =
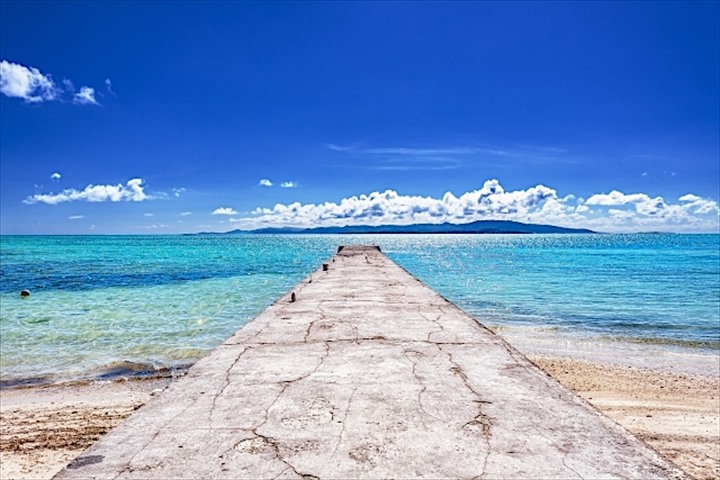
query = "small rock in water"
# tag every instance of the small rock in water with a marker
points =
(25, 293)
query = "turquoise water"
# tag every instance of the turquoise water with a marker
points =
(104, 306)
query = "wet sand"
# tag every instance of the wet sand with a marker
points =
(43, 428)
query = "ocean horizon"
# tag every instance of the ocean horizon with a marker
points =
(105, 307)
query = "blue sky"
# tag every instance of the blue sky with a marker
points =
(130, 117)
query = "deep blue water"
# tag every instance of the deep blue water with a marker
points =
(106, 305)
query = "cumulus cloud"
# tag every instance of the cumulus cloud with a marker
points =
(133, 191)
(33, 86)
(178, 191)
(27, 83)
(265, 183)
(185, 214)
(615, 198)
(288, 184)
(699, 205)
(612, 212)
(55, 176)
(224, 211)
(86, 96)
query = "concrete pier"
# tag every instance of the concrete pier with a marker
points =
(366, 373)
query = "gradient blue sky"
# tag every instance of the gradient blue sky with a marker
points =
(598, 115)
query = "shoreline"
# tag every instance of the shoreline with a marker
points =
(532, 341)
(544, 341)
(678, 414)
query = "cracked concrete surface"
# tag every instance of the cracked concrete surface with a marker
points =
(367, 374)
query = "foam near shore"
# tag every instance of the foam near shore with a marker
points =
(547, 341)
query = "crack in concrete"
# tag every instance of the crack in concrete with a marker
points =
(128, 467)
(482, 420)
(273, 442)
(436, 321)
(312, 323)
(342, 431)
(254, 430)
(375, 338)
(247, 340)
(227, 384)
(281, 473)
(534, 426)
(420, 382)
(565, 456)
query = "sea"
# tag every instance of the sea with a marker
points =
(108, 307)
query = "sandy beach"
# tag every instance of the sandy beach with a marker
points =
(677, 414)
(44, 428)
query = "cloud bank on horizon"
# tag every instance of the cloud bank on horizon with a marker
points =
(608, 212)
(31, 85)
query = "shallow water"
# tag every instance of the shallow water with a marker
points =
(141, 305)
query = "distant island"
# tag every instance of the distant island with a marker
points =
(479, 227)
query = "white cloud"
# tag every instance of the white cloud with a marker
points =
(76, 217)
(288, 184)
(224, 211)
(108, 86)
(29, 84)
(699, 205)
(185, 214)
(615, 198)
(148, 215)
(132, 191)
(55, 176)
(26, 82)
(265, 183)
(178, 191)
(621, 214)
(86, 96)
(689, 198)
(647, 206)
(613, 212)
